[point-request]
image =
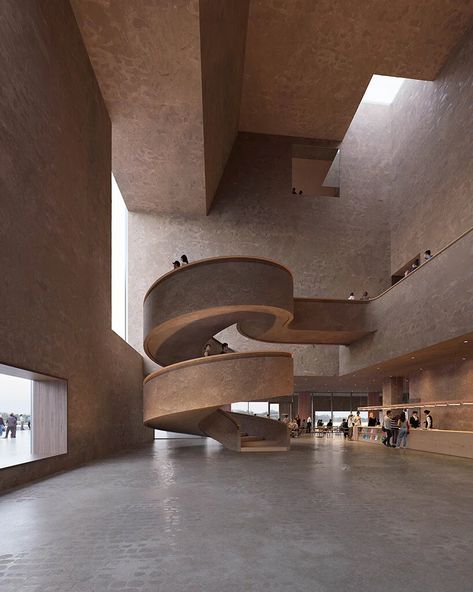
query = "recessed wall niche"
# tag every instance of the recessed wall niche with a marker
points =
(316, 170)
(33, 410)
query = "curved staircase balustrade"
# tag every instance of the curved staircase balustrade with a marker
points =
(185, 308)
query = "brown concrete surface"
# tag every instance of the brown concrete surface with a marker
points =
(432, 160)
(55, 248)
(307, 64)
(222, 42)
(305, 67)
(430, 307)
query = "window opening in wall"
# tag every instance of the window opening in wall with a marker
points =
(119, 262)
(382, 89)
(252, 407)
(316, 170)
(406, 269)
(33, 411)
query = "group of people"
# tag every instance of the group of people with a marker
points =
(427, 256)
(294, 192)
(9, 426)
(224, 349)
(402, 425)
(297, 426)
(183, 261)
(349, 424)
(365, 296)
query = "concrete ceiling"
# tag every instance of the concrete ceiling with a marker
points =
(160, 85)
(308, 62)
(172, 74)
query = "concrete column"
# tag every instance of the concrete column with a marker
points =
(393, 390)
(303, 405)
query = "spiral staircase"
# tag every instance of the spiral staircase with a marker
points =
(185, 308)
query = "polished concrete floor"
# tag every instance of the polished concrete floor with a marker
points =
(187, 515)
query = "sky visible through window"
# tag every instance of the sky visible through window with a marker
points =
(382, 89)
(15, 395)
(119, 261)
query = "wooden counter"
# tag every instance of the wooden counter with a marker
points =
(451, 442)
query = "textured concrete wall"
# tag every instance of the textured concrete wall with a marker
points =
(450, 382)
(222, 46)
(332, 246)
(55, 164)
(433, 160)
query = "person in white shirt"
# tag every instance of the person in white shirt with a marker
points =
(308, 424)
(351, 423)
(351, 296)
(429, 422)
(387, 429)
(427, 255)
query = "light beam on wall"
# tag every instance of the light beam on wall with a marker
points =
(382, 89)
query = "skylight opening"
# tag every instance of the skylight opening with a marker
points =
(382, 89)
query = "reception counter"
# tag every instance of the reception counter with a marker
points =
(451, 442)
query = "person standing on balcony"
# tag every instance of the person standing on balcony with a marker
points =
(351, 296)
(365, 296)
(207, 350)
(184, 260)
(429, 422)
(176, 264)
(225, 348)
(427, 255)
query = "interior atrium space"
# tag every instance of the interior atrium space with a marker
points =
(236, 346)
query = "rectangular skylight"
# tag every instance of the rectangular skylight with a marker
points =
(382, 89)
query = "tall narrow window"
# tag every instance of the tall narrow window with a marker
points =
(119, 262)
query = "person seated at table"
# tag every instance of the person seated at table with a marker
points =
(320, 423)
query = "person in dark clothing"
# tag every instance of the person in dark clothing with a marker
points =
(344, 428)
(371, 420)
(11, 426)
(428, 423)
(184, 259)
(294, 191)
(176, 264)
(414, 420)
(225, 348)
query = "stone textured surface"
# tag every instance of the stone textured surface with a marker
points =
(307, 64)
(222, 41)
(432, 160)
(205, 519)
(146, 56)
(430, 306)
(448, 382)
(55, 238)
(326, 243)
(217, 380)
